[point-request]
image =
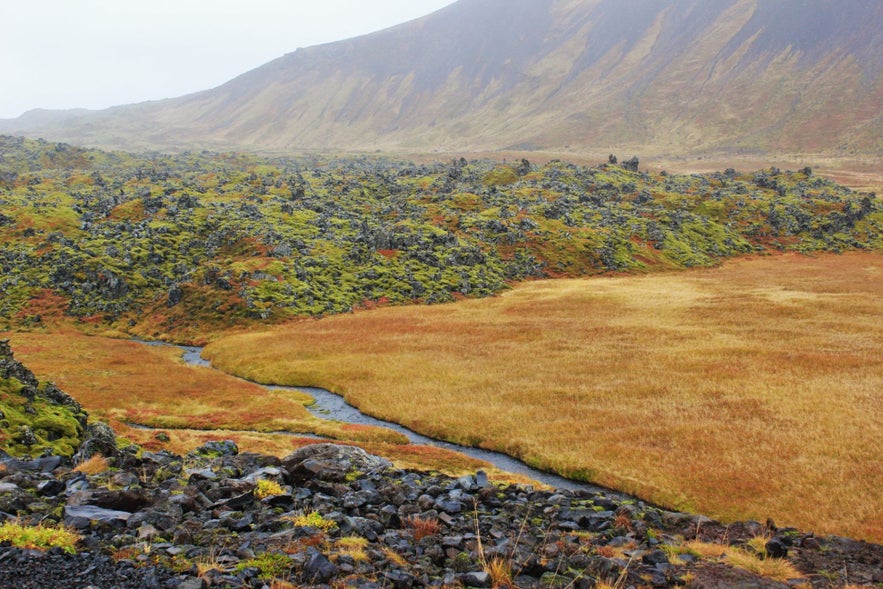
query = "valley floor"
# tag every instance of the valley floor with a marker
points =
(746, 391)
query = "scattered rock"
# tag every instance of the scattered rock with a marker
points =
(349, 518)
(776, 548)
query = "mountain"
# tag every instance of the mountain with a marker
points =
(679, 76)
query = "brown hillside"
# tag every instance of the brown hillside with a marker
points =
(682, 76)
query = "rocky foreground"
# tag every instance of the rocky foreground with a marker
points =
(339, 517)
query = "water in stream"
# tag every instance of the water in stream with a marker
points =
(331, 406)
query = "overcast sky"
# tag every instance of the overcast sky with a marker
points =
(100, 53)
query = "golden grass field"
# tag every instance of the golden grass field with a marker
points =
(752, 390)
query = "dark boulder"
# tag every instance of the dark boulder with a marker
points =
(99, 438)
(318, 569)
(218, 448)
(777, 548)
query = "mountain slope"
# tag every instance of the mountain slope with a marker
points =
(673, 77)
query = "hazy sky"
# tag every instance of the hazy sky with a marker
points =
(100, 53)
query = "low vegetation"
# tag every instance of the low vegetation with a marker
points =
(751, 390)
(181, 247)
(778, 569)
(38, 537)
(267, 488)
(94, 465)
(152, 398)
(35, 417)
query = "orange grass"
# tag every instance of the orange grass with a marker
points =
(125, 382)
(94, 465)
(751, 390)
(421, 527)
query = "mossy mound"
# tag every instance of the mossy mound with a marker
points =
(35, 417)
(178, 247)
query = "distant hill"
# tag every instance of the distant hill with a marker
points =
(670, 77)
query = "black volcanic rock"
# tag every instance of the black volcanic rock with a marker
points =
(329, 533)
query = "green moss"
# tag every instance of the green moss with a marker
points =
(42, 537)
(29, 427)
(500, 176)
(247, 239)
(272, 565)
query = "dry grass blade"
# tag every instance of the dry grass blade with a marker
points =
(94, 465)
(422, 527)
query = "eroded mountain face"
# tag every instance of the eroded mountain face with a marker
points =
(669, 77)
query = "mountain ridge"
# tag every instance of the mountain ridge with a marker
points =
(681, 77)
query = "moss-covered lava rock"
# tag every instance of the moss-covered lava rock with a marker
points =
(35, 417)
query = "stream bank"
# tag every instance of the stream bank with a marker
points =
(331, 406)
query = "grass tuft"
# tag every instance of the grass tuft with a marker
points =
(421, 527)
(97, 464)
(500, 571)
(312, 519)
(354, 547)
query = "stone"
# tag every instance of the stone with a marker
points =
(197, 583)
(475, 579)
(467, 483)
(236, 502)
(218, 448)
(776, 548)
(82, 516)
(45, 464)
(201, 474)
(147, 532)
(399, 579)
(331, 462)
(318, 569)
(450, 507)
(655, 557)
(98, 438)
(175, 295)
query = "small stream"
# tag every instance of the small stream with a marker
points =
(332, 406)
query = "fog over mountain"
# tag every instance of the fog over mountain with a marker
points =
(679, 76)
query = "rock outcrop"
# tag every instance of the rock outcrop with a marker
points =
(35, 417)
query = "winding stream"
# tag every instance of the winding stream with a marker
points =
(332, 406)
